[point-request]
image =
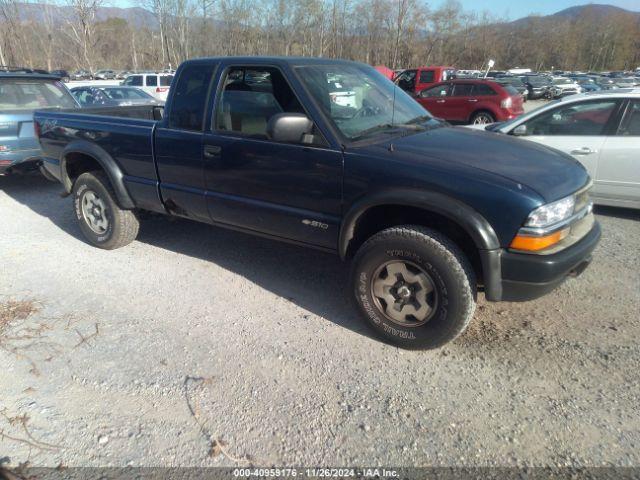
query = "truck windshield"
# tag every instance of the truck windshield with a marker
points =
(28, 94)
(361, 102)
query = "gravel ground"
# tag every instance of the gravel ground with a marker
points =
(195, 337)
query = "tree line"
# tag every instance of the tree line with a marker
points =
(395, 33)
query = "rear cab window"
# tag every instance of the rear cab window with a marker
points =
(427, 76)
(190, 97)
(152, 80)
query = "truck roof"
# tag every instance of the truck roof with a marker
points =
(278, 60)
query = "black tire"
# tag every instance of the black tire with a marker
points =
(482, 118)
(112, 227)
(451, 278)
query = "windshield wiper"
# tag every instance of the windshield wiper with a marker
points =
(390, 128)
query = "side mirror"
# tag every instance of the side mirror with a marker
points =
(288, 127)
(520, 130)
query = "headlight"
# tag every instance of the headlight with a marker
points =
(551, 213)
(539, 231)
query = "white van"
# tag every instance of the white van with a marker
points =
(155, 84)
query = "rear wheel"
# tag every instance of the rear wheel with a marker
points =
(482, 118)
(414, 286)
(102, 221)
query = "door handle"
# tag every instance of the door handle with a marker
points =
(472, 100)
(212, 151)
(440, 101)
(583, 151)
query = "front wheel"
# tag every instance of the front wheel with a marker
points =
(102, 221)
(414, 286)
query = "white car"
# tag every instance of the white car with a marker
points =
(563, 86)
(155, 84)
(601, 130)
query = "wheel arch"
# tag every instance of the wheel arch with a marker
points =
(483, 109)
(81, 156)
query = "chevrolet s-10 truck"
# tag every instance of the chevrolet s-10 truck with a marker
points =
(427, 213)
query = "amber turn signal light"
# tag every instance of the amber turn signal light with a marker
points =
(535, 244)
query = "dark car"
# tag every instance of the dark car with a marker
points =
(20, 94)
(605, 83)
(514, 82)
(81, 75)
(429, 214)
(62, 74)
(112, 96)
(472, 101)
(538, 86)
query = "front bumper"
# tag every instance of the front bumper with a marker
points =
(518, 277)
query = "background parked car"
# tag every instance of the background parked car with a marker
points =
(20, 94)
(600, 130)
(112, 96)
(472, 101)
(587, 83)
(538, 86)
(155, 84)
(81, 75)
(515, 82)
(563, 86)
(105, 75)
(62, 74)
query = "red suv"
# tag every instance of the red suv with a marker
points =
(472, 101)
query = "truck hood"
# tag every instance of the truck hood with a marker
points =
(550, 173)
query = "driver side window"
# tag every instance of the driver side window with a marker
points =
(584, 119)
(250, 97)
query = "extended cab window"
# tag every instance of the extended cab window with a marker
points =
(589, 118)
(250, 97)
(190, 97)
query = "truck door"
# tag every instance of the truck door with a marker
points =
(178, 144)
(289, 190)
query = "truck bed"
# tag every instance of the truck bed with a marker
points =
(120, 138)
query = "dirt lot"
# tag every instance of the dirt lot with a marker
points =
(195, 338)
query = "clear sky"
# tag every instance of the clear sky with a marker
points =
(511, 9)
(521, 8)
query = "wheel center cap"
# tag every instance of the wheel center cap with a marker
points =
(404, 292)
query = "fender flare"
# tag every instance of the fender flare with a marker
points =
(470, 220)
(108, 164)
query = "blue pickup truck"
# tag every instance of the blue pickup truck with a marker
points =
(427, 213)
